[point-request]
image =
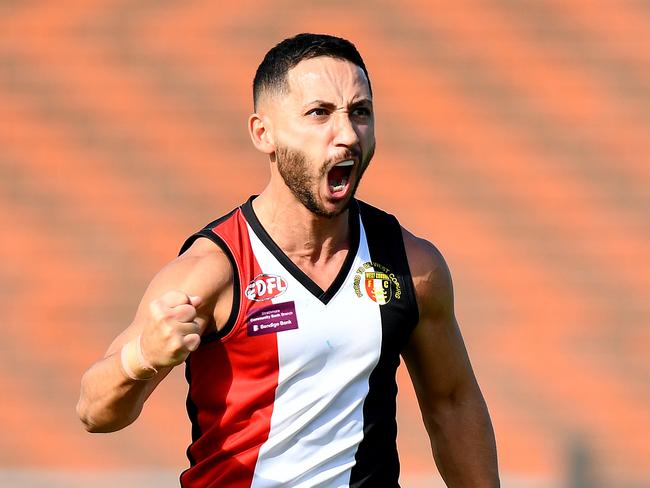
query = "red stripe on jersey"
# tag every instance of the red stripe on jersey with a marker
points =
(232, 385)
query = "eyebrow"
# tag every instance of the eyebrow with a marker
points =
(320, 103)
(330, 105)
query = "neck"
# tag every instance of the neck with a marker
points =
(299, 232)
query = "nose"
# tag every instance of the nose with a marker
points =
(345, 131)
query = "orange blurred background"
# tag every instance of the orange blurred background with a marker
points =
(515, 135)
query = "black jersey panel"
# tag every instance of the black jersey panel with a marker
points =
(377, 462)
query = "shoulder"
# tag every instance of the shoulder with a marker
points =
(428, 268)
(430, 274)
(202, 270)
(203, 264)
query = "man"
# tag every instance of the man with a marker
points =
(292, 311)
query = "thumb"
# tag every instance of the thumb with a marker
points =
(192, 342)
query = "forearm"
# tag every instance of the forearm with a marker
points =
(109, 400)
(462, 440)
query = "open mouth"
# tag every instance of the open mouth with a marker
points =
(338, 178)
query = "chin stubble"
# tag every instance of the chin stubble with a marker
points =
(293, 168)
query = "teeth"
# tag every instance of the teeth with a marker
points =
(340, 186)
(345, 163)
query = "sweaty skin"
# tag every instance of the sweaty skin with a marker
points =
(326, 117)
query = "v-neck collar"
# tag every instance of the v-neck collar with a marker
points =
(323, 295)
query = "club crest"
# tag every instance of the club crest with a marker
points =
(380, 284)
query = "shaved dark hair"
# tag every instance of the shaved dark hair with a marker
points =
(271, 75)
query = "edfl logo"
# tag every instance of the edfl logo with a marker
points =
(265, 287)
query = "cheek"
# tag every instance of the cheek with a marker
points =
(305, 136)
(314, 146)
(367, 136)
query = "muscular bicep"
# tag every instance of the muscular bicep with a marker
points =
(436, 359)
(203, 271)
(435, 354)
(451, 402)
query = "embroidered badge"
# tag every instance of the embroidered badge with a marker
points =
(380, 284)
(276, 317)
(265, 287)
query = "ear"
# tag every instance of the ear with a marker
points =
(261, 135)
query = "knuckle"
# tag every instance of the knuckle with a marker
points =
(168, 314)
(176, 344)
(160, 314)
(184, 313)
(155, 306)
(160, 309)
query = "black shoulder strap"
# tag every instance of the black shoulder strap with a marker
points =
(205, 232)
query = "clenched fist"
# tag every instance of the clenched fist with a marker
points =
(172, 331)
(169, 336)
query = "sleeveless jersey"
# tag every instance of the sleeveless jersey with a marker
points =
(298, 389)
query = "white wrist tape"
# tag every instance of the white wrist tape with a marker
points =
(133, 362)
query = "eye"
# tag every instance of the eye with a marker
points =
(361, 112)
(316, 112)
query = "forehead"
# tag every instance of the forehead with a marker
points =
(327, 78)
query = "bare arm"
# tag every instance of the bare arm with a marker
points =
(189, 296)
(452, 405)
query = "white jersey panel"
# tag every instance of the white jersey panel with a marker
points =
(324, 367)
